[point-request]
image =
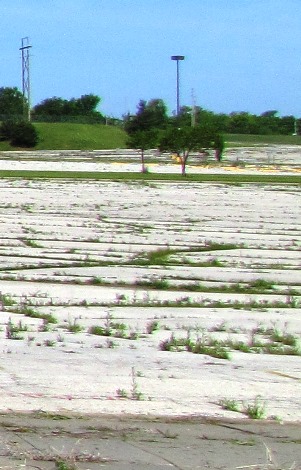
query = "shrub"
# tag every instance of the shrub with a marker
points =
(19, 133)
(7, 129)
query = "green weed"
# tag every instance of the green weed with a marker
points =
(228, 404)
(255, 410)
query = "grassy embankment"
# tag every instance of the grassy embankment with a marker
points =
(70, 136)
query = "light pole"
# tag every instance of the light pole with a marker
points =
(177, 58)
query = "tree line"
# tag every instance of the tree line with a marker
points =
(266, 123)
(84, 109)
(193, 129)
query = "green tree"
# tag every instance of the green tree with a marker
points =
(59, 109)
(11, 102)
(243, 123)
(150, 115)
(185, 140)
(218, 144)
(142, 140)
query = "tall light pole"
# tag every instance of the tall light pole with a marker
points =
(177, 58)
(26, 77)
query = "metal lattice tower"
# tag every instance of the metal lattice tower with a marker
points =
(26, 77)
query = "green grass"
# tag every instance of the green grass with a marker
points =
(237, 140)
(138, 176)
(70, 136)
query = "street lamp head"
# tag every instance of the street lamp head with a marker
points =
(177, 57)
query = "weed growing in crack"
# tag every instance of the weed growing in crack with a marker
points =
(31, 243)
(152, 326)
(292, 301)
(135, 392)
(12, 330)
(64, 465)
(121, 393)
(47, 317)
(74, 327)
(261, 285)
(6, 301)
(45, 326)
(204, 345)
(49, 342)
(255, 410)
(159, 284)
(229, 404)
(113, 329)
(274, 341)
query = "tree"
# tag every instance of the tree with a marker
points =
(59, 109)
(150, 115)
(142, 140)
(11, 102)
(218, 145)
(185, 140)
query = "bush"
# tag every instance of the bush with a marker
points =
(7, 129)
(19, 134)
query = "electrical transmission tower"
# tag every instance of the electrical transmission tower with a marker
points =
(26, 77)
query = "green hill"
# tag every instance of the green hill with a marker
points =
(65, 136)
(72, 136)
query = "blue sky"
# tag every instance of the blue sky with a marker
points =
(240, 55)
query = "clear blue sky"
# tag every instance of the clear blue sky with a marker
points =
(240, 55)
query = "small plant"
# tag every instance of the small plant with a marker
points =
(215, 262)
(45, 326)
(152, 326)
(49, 342)
(204, 345)
(30, 312)
(111, 344)
(6, 300)
(283, 337)
(256, 410)
(74, 327)
(97, 330)
(220, 327)
(12, 330)
(64, 465)
(136, 394)
(292, 301)
(261, 285)
(228, 404)
(96, 281)
(31, 243)
(121, 393)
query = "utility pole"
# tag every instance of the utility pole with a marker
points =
(193, 109)
(26, 77)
